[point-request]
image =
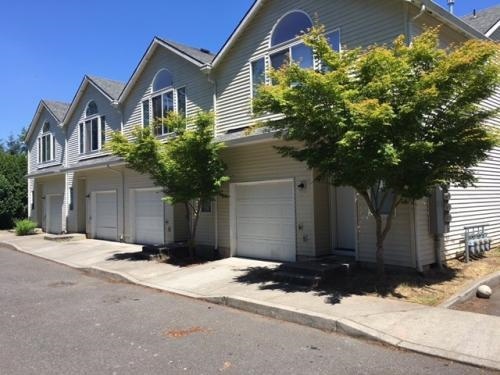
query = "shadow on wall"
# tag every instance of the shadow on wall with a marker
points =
(337, 284)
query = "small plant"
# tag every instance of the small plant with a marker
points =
(25, 227)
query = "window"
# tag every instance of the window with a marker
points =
(181, 101)
(206, 206)
(145, 113)
(286, 47)
(290, 27)
(71, 198)
(91, 109)
(162, 80)
(46, 145)
(162, 105)
(103, 130)
(82, 138)
(258, 74)
(164, 99)
(92, 132)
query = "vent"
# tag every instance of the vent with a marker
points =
(204, 50)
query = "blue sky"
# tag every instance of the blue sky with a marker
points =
(47, 46)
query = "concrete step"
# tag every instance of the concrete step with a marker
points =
(296, 279)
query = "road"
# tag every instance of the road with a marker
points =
(56, 320)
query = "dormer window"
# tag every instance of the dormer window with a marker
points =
(92, 131)
(46, 144)
(164, 98)
(286, 47)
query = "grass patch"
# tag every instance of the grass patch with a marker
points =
(25, 227)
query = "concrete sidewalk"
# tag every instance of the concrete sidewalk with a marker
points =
(455, 335)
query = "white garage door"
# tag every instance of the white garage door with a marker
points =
(265, 221)
(54, 219)
(106, 215)
(149, 217)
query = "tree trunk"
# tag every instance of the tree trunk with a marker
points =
(380, 248)
(190, 241)
(196, 217)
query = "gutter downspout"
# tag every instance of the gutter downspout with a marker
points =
(208, 70)
(420, 269)
(122, 176)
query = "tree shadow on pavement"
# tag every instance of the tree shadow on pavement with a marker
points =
(177, 257)
(337, 284)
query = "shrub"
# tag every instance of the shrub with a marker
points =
(25, 227)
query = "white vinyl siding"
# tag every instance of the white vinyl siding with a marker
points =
(52, 154)
(199, 91)
(398, 246)
(359, 22)
(108, 120)
(261, 162)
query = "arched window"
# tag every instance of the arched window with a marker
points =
(289, 27)
(46, 145)
(91, 109)
(163, 79)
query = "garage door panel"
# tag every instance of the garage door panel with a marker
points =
(265, 221)
(149, 217)
(106, 216)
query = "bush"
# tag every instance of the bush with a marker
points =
(13, 189)
(25, 227)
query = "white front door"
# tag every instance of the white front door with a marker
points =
(105, 215)
(344, 219)
(148, 211)
(54, 213)
(263, 223)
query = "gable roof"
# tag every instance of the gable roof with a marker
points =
(486, 21)
(112, 88)
(58, 109)
(197, 56)
(434, 9)
(109, 88)
(55, 108)
(200, 54)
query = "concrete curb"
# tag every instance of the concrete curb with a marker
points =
(293, 315)
(344, 326)
(470, 291)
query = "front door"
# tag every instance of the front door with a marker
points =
(54, 213)
(344, 219)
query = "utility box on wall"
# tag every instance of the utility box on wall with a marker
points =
(440, 210)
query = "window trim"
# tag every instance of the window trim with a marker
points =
(156, 76)
(45, 135)
(87, 147)
(271, 46)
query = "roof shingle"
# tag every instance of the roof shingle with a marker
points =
(58, 109)
(200, 54)
(484, 20)
(109, 86)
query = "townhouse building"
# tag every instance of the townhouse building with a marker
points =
(275, 207)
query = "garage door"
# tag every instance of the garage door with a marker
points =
(106, 216)
(265, 221)
(149, 217)
(54, 219)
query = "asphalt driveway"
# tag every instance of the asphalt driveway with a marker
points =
(56, 320)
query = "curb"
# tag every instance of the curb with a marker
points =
(470, 291)
(344, 326)
(293, 315)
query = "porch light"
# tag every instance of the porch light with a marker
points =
(302, 185)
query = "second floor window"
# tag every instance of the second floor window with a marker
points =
(92, 132)
(46, 145)
(287, 47)
(163, 100)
